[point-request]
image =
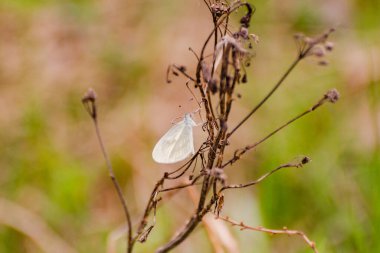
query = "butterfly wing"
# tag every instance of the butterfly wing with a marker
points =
(176, 145)
(184, 146)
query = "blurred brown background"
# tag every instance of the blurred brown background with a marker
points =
(54, 187)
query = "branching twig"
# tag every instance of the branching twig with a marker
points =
(270, 93)
(331, 96)
(306, 47)
(271, 231)
(303, 161)
(183, 185)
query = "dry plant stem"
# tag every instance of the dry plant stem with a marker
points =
(182, 185)
(240, 152)
(239, 186)
(215, 141)
(305, 50)
(183, 71)
(117, 187)
(211, 158)
(89, 103)
(223, 81)
(185, 167)
(189, 227)
(223, 127)
(278, 84)
(208, 105)
(201, 211)
(150, 206)
(272, 231)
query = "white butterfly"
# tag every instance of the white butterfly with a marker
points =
(177, 144)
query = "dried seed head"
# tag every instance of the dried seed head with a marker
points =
(308, 40)
(218, 9)
(89, 96)
(244, 78)
(298, 36)
(88, 101)
(332, 96)
(244, 32)
(182, 68)
(329, 46)
(244, 21)
(318, 51)
(212, 85)
(305, 160)
(255, 38)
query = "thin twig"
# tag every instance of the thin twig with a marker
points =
(331, 96)
(183, 71)
(89, 102)
(303, 161)
(271, 231)
(183, 185)
(149, 207)
(270, 93)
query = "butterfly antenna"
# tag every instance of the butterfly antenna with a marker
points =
(174, 120)
(195, 54)
(198, 102)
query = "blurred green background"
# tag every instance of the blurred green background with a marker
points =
(55, 194)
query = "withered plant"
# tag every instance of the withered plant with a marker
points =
(216, 79)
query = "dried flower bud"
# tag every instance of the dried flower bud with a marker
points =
(244, 21)
(308, 40)
(305, 160)
(88, 101)
(298, 36)
(244, 78)
(218, 9)
(329, 46)
(89, 96)
(318, 51)
(182, 68)
(243, 32)
(212, 85)
(332, 96)
(255, 38)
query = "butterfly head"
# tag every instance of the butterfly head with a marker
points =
(189, 120)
